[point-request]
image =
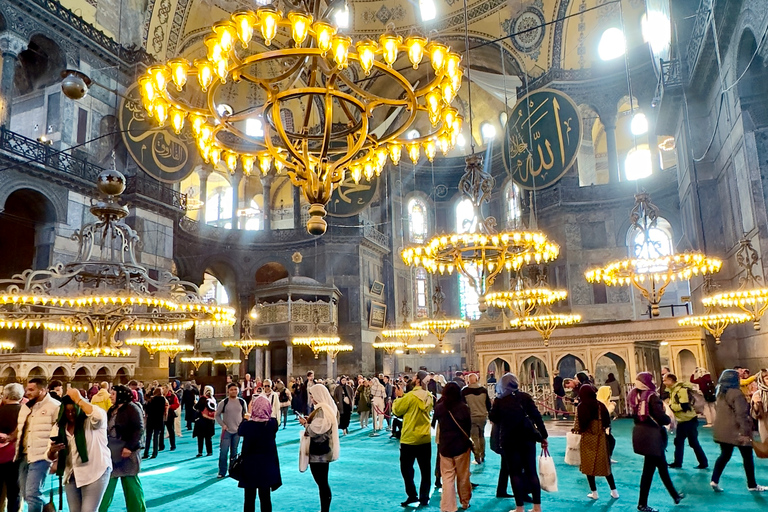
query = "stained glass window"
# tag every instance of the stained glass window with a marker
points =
(421, 293)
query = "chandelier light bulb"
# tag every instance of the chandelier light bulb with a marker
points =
(265, 163)
(177, 119)
(437, 53)
(148, 91)
(390, 43)
(248, 162)
(324, 33)
(230, 159)
(430, 149)
(300, 23)
(244, 21)
(448, 91)
(452, 62)
(639, 124)
(341, 50)
(179, 69)
(414, 152)
(269, 17)
(204, 73)
(395, 151)
(160, 75)
(366, 50)
(160, 110)
(415, 44)
(227, 34)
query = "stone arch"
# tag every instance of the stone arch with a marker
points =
(225, 273)
(37, 371)
(122, 375)
(102, 374)
(498, 367)
(61, 373)
(39, 65)
(752, 84)
(686, 364)
(569, 365)
(82, 375)
(533, 370)
(270, 272)
(8, 375)
(3, 23)
(610, 362)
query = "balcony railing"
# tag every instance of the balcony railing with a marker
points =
(700, 25)
(49, 158)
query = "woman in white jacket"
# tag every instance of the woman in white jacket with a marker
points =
(83, 459)
(378, 399)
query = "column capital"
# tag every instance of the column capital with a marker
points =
(12, 43)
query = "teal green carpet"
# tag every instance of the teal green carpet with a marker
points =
(367, 478)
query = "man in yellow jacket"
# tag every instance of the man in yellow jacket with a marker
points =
(415, 438)
(687, 421)
(102, 398)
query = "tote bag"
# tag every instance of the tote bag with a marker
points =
(573, 449)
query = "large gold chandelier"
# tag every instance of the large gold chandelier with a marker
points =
(104, 290)
(344, 94)
(751, 296)
(481, 253)
(653, 266)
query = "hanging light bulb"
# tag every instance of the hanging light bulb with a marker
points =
(247, 161)
(390, 44)
(452, 61)
(244, 22)
(324, 33)
(196, 123)
(300, 23)
(414, 152)
(448, 92)
(366, 52)
(160, 110)
(415, 45)
(269, 17)
(437, 53)
(433, 105)
(444, 141)
(215, 153)
(214, 52)
(340, 50)
(368, 170)
(230, 160)
(265, 162)
(430, 149)
(160, 75)
(179, 69)
(147, 88)
(177, 119)
(227, 33)
(395, 151)
(204, 73)
(221, 70)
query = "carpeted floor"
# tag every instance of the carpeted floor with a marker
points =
(367, 478)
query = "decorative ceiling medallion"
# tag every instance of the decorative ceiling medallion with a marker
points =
(527, 30)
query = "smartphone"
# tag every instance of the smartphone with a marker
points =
(57, 440)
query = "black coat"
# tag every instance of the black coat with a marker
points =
(453, 439)
(261, 466)
(128, 433)
(509, 413)
(155, 410)
(649, 437)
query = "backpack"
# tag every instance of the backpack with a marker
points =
(242, 404)
(283, 396)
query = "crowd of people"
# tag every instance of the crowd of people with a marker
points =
(92, 438)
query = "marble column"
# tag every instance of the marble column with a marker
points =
(258, 370)
(266, 184)
(203, 173)
(267, 364)
(328, 366)
(11, 45)
(288, 361)
(609, 123)
(296, 207)
(236, 179)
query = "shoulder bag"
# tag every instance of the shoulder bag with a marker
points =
(471, 442)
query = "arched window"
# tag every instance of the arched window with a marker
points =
(213, 289)
(468, 298)
(658, 243)
(427, 9)
(417, 221)
(218, 211)
(514, 205)
(253, 217)
(421, 293)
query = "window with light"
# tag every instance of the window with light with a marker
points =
(514, 205)
(218, 209)
(421, 293)
(417, 221)
(212, 289)
(427, 9)
(469, 300)
(658, 243)
(253, 221)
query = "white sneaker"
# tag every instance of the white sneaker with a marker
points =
(474, 463)
(614, 494)
(715, 487)
(592, 495)
(759, 488)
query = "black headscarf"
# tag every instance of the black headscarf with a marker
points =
(589, 407)
(583, 378)
(123, 394)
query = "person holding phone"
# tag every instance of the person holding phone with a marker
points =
(79, 444)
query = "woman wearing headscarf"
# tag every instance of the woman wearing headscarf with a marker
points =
(378, 403)
(455, 422)
(343, 397)
(702, 378)
(592, 421)
(760, 404)
(323, 448)
(259, 456)
(733, 429)
(205, 424)
(125, 429)
(605, 396)
(521, 427)
(649, 437)
(364, 402)
(80, 445)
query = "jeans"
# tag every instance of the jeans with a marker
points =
(421, 453)
(477, 433)
(153, 435)
(455, 473)
(650, 465)
(319, 472)
(31, 480)
(284, 416)
(228, 443)
(689, 430)
(249, 501)
(132, 490)
(88, 497)
(9, 477)
(726, 450)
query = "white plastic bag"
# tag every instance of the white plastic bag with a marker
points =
(303, 452)
(573, 449)
(672, 427)
(547, 473)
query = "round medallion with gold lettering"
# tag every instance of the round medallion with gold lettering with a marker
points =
(542, 139)
(350, 198)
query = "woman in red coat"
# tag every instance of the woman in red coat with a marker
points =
(170, 422)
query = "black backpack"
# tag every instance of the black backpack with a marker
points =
(283, 396)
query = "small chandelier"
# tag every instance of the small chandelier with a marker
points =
(439, 324)
(523, 299)
(7, 346)
(390, 346)
(316, 342)
(197, 360)
(246, 343)
(104, 290)
(401, 336)
(152, 344)
(545, 322)
(420, 347)
(228, 363)
(752, 295)
(300, 62)
(653, 268)
(481, 253)
(333, 350)
(174, 350)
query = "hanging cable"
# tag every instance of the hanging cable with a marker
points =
(469, 77)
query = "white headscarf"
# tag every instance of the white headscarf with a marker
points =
(326, 422)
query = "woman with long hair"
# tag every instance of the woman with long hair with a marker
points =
(454, 422)
(649, 438)
(259, 456)
(125, 429)
(733, 429)
(79, 442)
(592, 422)
(322, 429)
(521, 428)
(378, 404)
(343, 396)
(205, 424)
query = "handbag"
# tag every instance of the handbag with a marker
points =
(236, 467)
(471, 442)
(320, 445)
